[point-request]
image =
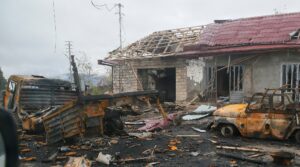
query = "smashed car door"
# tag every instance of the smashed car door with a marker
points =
(258, 118)
(281, 117)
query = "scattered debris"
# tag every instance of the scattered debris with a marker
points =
(25, 150)
(64, 149)
(282, 158)
(51, 158)
(104, 158)
(114, 141)
(194, 117)
(174, 142)
(70, 153)
(173, 148)
(198, 130)
(213, 141)
(256, 155)
(58, 158)
(240, 157)
(151, 164)
(156, 124)
(135, 123)
(78, 162)
(239, 148)
(233, 163)
(142, 135)
(195, 154)
(141, 159)
(27, 158)
(205, 109)
(188, 136)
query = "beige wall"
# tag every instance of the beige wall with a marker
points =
(129, 82)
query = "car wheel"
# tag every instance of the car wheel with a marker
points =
(227, 130)
(297, 136)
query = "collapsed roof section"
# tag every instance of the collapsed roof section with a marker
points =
(159, 44)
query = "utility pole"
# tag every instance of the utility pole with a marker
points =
(119, 5)
(69, 53)
(119, 13)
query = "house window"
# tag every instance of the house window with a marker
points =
(210, 75)
(290, 75)
(236, 77)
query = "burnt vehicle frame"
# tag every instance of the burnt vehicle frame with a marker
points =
(31, 97)
(93, 112)
(272, 114)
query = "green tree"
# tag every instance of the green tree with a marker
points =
(2, 80)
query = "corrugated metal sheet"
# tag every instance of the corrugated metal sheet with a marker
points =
(37, 98)
(254, 30)
(63, 123)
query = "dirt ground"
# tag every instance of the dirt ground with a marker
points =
(131, 147)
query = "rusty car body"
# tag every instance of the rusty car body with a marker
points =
(31, 97)
(272, 114)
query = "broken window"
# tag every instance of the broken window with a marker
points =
(295, 34)
(210, 75)
(236, 77)
(290, 75)
(12, 86)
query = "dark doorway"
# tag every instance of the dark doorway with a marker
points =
(163, 80)
(222, 82)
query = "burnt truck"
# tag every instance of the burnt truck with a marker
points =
(100, 113)
(272, 114)
(61, 110)
(30, 97)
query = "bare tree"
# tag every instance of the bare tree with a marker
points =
(85, 68)
(2, 80)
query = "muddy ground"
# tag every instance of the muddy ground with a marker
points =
(132, 147)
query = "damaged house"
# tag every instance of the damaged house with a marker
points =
(228, 58)
(247, 55)
(151, 63)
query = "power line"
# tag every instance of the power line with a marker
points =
(119, 13)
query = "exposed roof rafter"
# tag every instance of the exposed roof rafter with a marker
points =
(159, 44)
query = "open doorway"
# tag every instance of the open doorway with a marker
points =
(163, 80)
(223, 82)
(228, 82)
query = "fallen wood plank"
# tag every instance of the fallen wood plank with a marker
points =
(135, 123)
(213, 141)
(239, 148)
(256, 155)
(188, 136)
(141, 159)
(198, 130)
(239, 157)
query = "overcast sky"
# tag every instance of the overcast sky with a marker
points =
(27, 36)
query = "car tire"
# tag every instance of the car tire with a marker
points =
(297, 136)
(227, 130)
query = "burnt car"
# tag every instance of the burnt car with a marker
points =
(272, 114)
(31, 97)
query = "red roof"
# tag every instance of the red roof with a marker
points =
(254, 31)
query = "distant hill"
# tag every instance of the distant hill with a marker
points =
(94, 79)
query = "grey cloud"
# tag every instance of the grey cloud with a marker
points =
(27, 33)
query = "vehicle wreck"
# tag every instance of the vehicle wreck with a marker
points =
(32, 97)
(272, 114)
